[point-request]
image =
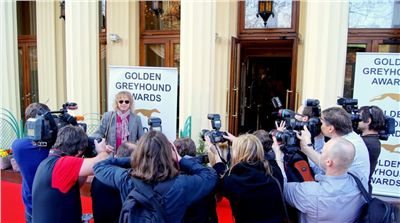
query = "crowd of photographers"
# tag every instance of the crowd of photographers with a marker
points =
(297, 172)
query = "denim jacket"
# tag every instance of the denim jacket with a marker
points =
(198, 182)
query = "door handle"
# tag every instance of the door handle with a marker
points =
(287, 97)
(296, 100)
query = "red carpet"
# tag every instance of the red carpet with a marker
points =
(12, 209)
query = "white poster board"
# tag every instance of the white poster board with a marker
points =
(377, 82)
(154, 90)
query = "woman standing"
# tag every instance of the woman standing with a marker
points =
(122, 124)
(252, 191)
(156, 162)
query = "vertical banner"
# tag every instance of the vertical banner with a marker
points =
(154, 90)
(377, 82)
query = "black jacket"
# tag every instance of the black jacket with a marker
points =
(253, 195)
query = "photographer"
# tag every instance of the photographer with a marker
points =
(203, 210)
(55, 192)
(335, 197)
(304, 113)
(28, 156)
(336, 122)
(372, 121)
(250, 187)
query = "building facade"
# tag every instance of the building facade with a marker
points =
(229, 61)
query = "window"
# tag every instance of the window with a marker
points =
(373, 27)
(283, 20)
(282, 17)
(159, 35)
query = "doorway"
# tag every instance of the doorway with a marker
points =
(261, 70)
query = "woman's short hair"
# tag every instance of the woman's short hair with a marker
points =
(248, 148)
(71, 139)
(185, 146)
(152, 160)
(125, 149)
(264, 138)
(121, 94)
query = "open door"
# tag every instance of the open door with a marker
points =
(234, 87)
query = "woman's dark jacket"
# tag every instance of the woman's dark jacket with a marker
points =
(184, 190)
(253, 195)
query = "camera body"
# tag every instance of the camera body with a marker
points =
(155, 124)
(44, 127)
(313, 125)
(215, 135)
(288, 138)
(390, 125)
(351, 106)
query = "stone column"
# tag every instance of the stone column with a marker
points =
(205, 58)
(51, 59)
(123, 20)
(197, 84)
(82, 55)
(9, 75)
(322, 50)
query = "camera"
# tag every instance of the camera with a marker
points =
(215, 135)
(44, 127)
(289, 139)
(313, 125)
(155, 124)
(351, 106)
(315, 107)
(390, 125)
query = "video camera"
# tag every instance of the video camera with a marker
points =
(215, 135)
(351, 106)
(44, 127)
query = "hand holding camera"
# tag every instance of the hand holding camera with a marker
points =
(304, 136)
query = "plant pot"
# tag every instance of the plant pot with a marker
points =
(5, 163)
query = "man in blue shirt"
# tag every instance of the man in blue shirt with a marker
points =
(28, 157)
(334, 197)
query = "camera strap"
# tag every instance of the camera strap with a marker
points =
(219, 154)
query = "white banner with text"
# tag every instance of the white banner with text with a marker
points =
(154, 90)
(377, 82)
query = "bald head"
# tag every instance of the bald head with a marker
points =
(340, 151)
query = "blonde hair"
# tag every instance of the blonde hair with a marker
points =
(122, 94)
(248, 148)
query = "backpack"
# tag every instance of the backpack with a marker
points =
(297, 167)
(374, 210)
(142, 205)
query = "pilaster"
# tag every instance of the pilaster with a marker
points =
(82, 55)
(9, 75)
(51, 60)
(322, 50)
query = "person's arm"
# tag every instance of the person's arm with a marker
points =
(88, 163)
(112, 171)
(198, 176)
(297, 195)
(307, 147)
(102, 127)
(279, 157)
